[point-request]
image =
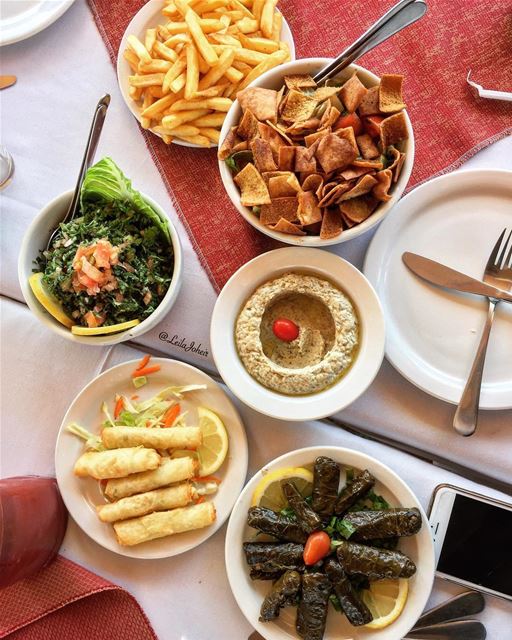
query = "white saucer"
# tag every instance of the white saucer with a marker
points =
(21, 19)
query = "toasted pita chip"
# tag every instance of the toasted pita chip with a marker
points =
(313, 229)
(348, 134)
(298, 106)
(390, 93)
(227, 144)
(279, 129)
(367, 147)
(330, 116)
(286, 158)
(332, 224)
(364, 185)
(313, 137)
(262, 153)
(303, 160)
(262, 102)
(248, 126)
(347, 222)
(308, 211)
(380, 190)
(398, 167)
(326, 188)
(369, 164)
(393, 129)
(313, 182)
(334, 195)
(279, 208)
(358, 209)
(272, 137)
(281, 186)
(354, 172)
(324, 93)
(242, 145)
(253, 190)
(299, 81)
(352, 93)
(335, 153)
(303, 128)
(369, 105)
(266, 175)
(284, 226)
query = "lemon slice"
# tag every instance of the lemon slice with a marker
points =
(44, 297)
(385, 599)
(214, 448)
(268, 492)
(78, 330)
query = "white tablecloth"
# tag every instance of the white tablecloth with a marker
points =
(44, 119)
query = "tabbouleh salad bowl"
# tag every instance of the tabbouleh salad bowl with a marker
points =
(35, 240)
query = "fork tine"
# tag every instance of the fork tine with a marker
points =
(508, 259)
(492, 258)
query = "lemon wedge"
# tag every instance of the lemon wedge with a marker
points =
(214, 448)
(268, 492)
(386, 600)
(45, 298)
(78, 330)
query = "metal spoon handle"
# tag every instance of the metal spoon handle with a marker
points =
(456, 630)
(464, 604)
(397, 18)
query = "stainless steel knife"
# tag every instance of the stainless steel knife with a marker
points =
(444, 276)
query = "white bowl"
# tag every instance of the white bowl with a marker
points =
(36, 238)
(273, 79)
(149, 16)
(324, 265)
(250, 594)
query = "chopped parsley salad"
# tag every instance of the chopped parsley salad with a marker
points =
(113, 263)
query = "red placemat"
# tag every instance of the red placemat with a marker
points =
(450, 123)
(65, 601)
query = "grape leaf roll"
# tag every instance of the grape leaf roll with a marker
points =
(359, 486)
(386, 523)
(286, 553)
(326, 478)
(373, 563)
(309, 520)
(312, 609)
(352, 606)
(284, 591)
(275, 524)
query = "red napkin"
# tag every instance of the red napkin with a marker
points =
(65, 601)
(435, 54)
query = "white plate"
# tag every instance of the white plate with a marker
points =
(150, 15)
(433, 333)
(82, 494)
(250, 594)
(20, 19)
(242, 285)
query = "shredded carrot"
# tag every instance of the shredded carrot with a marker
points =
(143, 362)
(119, 407)
(148, 423)
(200, 499)
(207, 479)
(134, 397)
(171, 414)
(145, 372)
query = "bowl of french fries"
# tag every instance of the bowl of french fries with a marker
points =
(181, 62)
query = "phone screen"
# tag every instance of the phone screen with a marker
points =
(478, 544)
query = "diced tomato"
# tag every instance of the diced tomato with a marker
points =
(285, 329)
(317, 547)
(102, 253)
(350, 120)
(91, 271)
(91, 320)
(372, 125)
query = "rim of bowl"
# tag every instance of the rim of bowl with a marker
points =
(310, 406)
(47, 319)
(313, 241)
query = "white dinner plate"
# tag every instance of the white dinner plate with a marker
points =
(82, 494)
(149, 16)
(249, 594)
(433, 333)
(20, 19)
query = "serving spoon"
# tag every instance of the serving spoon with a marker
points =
(397, 18)
(90, 149)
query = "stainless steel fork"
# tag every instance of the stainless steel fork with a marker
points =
(498, 272)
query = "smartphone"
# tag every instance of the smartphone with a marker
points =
(472, 540)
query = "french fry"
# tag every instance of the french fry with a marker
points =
(178, 83)
(234, 16)
(241, 66)
(216, 72)
(155, 66)
(184, 130)
(155, 91)
(178, 38)
(165, 52)
(224, 38)
(146, 81)
(267, 17)
(205, 48)
(209, 5)
(135, 93)
(233, 75)
(210, 120)
(192, 81)
(157, 107)
(241, 7)
(206, 25)
(263, 45)
(176, 69)
(138, 48)
(176, 119)
(217, 104)
(132, 60)
(249, 57)
(277, 26)
(231, 91)
(202, 141)
(211, 92)
(150, 40)
(273, 60)
(226, 20)
(257, 7)
(210, 133)
(145, 122)
(247, 25)
(204, 67)
(167, 139)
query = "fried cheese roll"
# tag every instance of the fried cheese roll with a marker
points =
(174, 438)
(143, 503)
(117, 463)
(164, 523)
(170, 470)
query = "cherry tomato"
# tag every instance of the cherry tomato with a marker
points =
(285, 329)
(317, 547)
(372, 125)
(350, 120)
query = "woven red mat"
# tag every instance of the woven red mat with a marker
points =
(65, 601)
(450, 123)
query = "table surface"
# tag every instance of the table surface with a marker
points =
(45, 119)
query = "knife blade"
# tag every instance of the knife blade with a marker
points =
(7, 81)
(444, 276)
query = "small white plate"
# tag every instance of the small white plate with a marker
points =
(325, 265)
(21, 19)
(82, 494)
(149, 16)
(250, 594)
(433, 333)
